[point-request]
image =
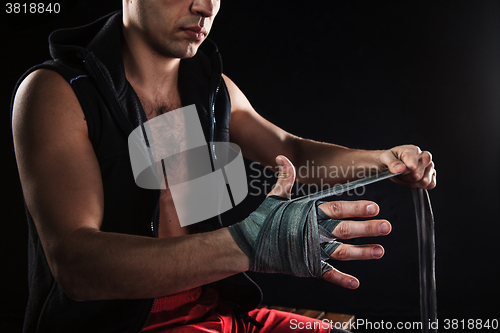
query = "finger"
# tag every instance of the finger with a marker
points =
(390, 159)
(342, 279)
(346, 252)
(410, 156)
(344, 209)
(354, 229)
(427, 177)
(424, 161)
(426, 158)
(433, 181)
(423, 183)
(286, 178)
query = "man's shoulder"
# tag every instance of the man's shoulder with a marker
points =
(43, 94)
(43, 84)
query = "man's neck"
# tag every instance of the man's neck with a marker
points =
(152, 75)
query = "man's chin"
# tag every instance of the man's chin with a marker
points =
(191, 50)
(181, 52)
(188, 55)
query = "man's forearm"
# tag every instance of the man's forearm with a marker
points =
(99, 265)
(325, 163)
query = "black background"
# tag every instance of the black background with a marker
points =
(364, 74)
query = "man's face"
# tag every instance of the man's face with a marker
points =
(173, 28)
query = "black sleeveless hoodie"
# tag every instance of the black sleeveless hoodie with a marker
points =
(90, 59)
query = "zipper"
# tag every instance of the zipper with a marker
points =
(154, 219)
(212, 112)
(154, 232)
(215, 85)
(149, 314)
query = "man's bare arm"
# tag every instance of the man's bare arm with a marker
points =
(261, 141)
(62, 187)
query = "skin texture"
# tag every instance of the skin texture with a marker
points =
(62, 184)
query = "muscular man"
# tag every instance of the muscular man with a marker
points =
(94, 265)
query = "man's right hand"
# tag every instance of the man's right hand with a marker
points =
(340, 210)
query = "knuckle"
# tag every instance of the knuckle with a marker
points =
(344, 230)
(335, 209)
(369, 229)
(426, 158)
(341, 253)
(329, 275)
(417, 176)
(343, 281)
(432, 184)
(357, 208)
(427, 154)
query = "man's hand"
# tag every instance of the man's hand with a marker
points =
(416, 166)
(345, 230)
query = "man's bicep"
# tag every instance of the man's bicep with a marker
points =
(58, 168)
(259, 139)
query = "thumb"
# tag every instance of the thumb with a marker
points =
(286, 178)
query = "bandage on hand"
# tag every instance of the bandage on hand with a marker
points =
(296, 237)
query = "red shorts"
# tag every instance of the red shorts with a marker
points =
(201, 310)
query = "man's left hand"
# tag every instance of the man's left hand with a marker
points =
(416, 166)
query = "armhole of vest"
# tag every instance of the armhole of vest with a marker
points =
(75, 79)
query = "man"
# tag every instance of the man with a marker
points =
(94, 265)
